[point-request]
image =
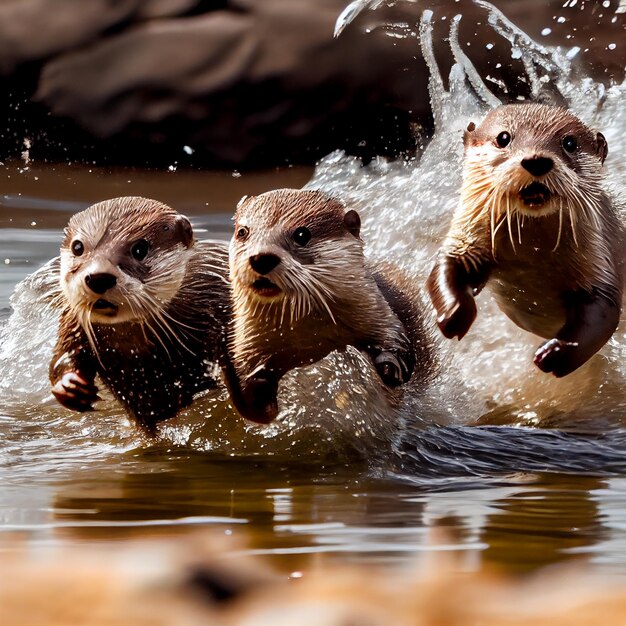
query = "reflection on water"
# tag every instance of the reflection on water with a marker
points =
(502, 495)
(290, 511)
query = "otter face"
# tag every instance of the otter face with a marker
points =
(533, 160)
(294, 247)
(123, 260)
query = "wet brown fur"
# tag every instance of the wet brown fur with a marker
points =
(553, 268)
(153, 365)
(332, 297)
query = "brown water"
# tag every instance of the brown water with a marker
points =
(66, 477)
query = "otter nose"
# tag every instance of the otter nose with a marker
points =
(100, 283)
(537, 166)
(264, 263)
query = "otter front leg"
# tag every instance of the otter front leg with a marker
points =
(254, 398)
(75, 392)
(452, 287)
(72, 381)
(73, 367)
(591, 321)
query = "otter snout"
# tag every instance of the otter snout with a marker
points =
(101, 282)
(538, 165)
(264, 263)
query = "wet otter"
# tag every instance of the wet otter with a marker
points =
(143, 306)
(534, 221)
(301, 289)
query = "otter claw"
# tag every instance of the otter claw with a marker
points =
(393, 371)
(457, 321)
(259, 396)
(555, 356)
(75, 393)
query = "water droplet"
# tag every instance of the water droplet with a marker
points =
(573, 52)
(7, 261)
(489, 46)
(188, 150)
(546, 31)
(612, 46)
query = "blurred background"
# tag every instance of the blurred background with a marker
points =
(251, 83)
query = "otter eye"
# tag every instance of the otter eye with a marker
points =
(569, 143)
(242, 233)
(77, 247)
(140, 249)
(503, 139)
(302, 236)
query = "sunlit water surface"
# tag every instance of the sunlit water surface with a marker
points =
(346, 471)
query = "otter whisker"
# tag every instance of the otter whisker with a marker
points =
(508, 222)
(319, 296)
(558, 236)
(150, 317)
(156, 313)
(84, 317)
(492, 221)
(176, 320)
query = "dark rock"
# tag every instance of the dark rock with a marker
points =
(251, 82)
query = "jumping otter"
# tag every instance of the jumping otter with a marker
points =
(534, 221)
(301, 289)
(143, 305)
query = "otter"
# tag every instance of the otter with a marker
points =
(536, 224)
(301, 289)
(143, 305)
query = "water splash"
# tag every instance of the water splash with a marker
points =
(406, 208)
(406, 211)
(351, 12)
(352, 414)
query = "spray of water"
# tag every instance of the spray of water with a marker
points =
(406, 209)
(489, 376)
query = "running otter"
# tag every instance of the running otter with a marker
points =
(301, 289)
(535, 222)
(143, 306)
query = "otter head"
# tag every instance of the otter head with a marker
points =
(533, 159)
(123, 260)
(296, 249)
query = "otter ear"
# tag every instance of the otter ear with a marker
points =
(352, 222)
(468, 135)
(184, 228)
(602, 147)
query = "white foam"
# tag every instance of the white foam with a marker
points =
(406, 211)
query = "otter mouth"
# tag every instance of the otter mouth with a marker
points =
(104, 307)
(535, 195)
(266, 288)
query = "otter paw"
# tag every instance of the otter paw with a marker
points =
(76, 393)
(457, 320)
(557, 357)
(392, 369)
(259, 396)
